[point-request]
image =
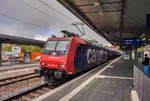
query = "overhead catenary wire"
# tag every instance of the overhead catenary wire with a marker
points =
(83, 29)
(77, 26)
(37, 9)
(50, 7)
(15, 18)
(23, 21)
(42, 12)
(47, 5)
(27, 22)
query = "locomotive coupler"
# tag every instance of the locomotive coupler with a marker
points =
(59, 74)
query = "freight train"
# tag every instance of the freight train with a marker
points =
(63, 57)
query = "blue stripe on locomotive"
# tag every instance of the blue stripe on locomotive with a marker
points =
(88, 56)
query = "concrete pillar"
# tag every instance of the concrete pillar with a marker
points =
(0, 53)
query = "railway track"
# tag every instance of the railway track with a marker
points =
(25, 88)
(36, 87)
(32, 94)
(16, 72)
(17, 79)
(15, 86)
(38, 91)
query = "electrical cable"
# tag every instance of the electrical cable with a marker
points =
(29, 5)
(47, 5)
(40, 11)
(20, 20)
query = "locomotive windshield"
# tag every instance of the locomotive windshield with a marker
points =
(57, 45)
(62, 45)
(51, 44)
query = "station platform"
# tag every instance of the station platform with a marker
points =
(17, 66)
(108, 82)
(17, 70)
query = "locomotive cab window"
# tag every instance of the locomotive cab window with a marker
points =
(50, 45)
(62, 45)
(58, 46)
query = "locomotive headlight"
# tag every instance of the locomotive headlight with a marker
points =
(43, 64)
(61, 65)
(54, 53)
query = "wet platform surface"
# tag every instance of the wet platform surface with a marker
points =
(109, 82)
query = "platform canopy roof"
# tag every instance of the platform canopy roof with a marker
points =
(115, 20)
(20, 40)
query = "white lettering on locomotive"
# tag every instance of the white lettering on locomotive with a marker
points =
(91, 56)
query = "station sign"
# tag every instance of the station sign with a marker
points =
(16, 49)
(131, 42)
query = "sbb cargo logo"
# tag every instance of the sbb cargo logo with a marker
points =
(93, 55)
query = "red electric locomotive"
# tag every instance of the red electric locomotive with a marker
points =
(68, 56)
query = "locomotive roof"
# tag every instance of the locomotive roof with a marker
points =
(60, 38)
(80, 40)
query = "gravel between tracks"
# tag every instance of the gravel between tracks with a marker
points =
(17, 79)
(16, 72)
(12, 89)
